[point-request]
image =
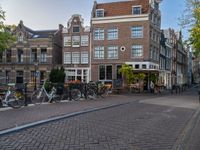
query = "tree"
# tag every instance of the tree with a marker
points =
(190, 20)
(57, 75)
(6, 33)
(127, 72)
(195, 33)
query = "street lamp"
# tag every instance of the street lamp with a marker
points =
(35, 74)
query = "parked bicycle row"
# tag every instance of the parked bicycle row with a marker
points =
(51, 92)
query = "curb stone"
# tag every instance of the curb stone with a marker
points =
(184, 136)
(41, 122)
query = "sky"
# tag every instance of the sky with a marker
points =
(47, 14)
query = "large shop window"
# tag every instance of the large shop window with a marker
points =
(105, 72)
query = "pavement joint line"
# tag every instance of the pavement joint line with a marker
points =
(185, 134)
(41, 122)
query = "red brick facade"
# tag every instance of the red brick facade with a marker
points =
(119, 15)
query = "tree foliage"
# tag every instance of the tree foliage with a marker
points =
(6, 33)
(127, 72)
(190, 20)
(57, 75)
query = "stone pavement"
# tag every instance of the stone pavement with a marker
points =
(140, 122)
(10, 118)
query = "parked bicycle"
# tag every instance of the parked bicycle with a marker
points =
(41, 95)
(70, 93)
(12, 97)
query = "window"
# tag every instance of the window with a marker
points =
(1, 56)
(76, 29)
(112, 52)
(119, 74)
(33, 55)
(99, 52)
(84, 58)
(67, 58)
(75, 58)
(43, 56)
(19, 56)
(75, 41)
(84, 40)
(136, 10)
(105, 72)
(112, 34)
(8, 75)
(99, 34)
(8, 55)
(67, 41)
(137, 66)
(137, 51)
(137, 32)
(144, 66)
(20, 37)
(100, 13)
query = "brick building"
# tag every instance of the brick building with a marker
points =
(125, 32)
(76, 50)
(32, 56)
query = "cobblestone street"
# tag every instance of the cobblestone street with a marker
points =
(130, 126)
(139, 123)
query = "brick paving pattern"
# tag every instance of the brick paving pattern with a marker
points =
(133, 126)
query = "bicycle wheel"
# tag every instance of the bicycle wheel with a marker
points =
(91, 94)
(14, 101)
(76, 94)
(37, 97)
(57, 98)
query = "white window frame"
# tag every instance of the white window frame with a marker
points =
(112, 33)
(43, 55)
(76, 27)
(97, 14)
(137, 51)
(112, 52)
(75, 41)
(75, 57)
(84, 57)
(99, 34)
(137, 6)
(137, 31)
(67, 58)
(67, 41)
(84, 40)
(99, 52)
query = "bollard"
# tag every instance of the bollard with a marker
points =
(25, 94)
